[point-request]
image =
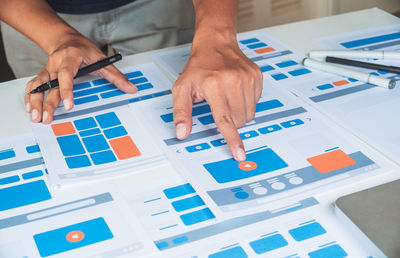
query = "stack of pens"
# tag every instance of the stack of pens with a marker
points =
(332, 61)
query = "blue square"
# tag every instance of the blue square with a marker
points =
(108, 120)
(32, 149)
(299, 72)
(325, 86)
(266, 68)
(85, 123)
(95, 143)
(286, 63)
(115, 132)
(70, 145)
(78, 161)
(103, 157)
(307, 231)
(279, 76)
(269, 243)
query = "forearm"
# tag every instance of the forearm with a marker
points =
(37, 21)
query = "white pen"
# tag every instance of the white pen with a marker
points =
(347, 72)
(355, 54)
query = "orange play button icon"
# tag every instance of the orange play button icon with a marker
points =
(75, 236)
(247, 165)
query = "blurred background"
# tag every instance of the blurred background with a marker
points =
(255, 14)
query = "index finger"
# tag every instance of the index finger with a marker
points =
(113, 75)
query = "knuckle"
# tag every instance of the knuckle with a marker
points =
(224, 119)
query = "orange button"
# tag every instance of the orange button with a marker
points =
(340, 83)
(124, 147)
(247, 165)
(331, 161)
(63, 129)
(264, 50)
(75, 236)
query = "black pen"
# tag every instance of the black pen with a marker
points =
(83, 71)
(342, 61)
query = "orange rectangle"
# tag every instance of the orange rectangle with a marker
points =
(124, 147)
(331, 161)
(63, 129)
(264, 50)
(340, 83)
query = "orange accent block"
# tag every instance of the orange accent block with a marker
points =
(331, 161)
(124, 147)
(247, 165)
(75, 236)
(63, 129)
(264, 50)
(340, 83)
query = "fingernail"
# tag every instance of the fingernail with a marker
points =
(35, 115)
(240, 154)
(45, 116)
(28, 107)
(67, 104)
(180, 131)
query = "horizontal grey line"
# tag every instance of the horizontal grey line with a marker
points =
(21, 165)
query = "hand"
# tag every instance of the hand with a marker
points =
(63, 63)
(220, 73)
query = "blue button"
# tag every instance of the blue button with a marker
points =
(382, 72)
(180, 240)
(206, 120)
(307, 231)
(241, 195)
(7, 154)
(266, 159)
(269, 129)
(111, 94)
(249, 41)
(33, 174)
(78, 161)
(167, 117)
(279, 76)
(89, 132)
(199, 110)
(299, 72)
(257, 45)
(95, 90)
(219, 142)
(268, 244)
(266, 68)
(133, 74)
(9, 180)
(82, 86)
(100, 81)
(115, 132)
(108, 120)
(162, 245)
(236, 252)
(70, 145)
(188, 203)
(198, 147)
(197, 216)
(325, 86)
(24, 194)
(178, 191)
(32, 149)
(56, 241)
(248, 135)
(145, 86)
(95, 143)
(86, 100)
(103, 157)
(333, 251)
(292, 123)
(286, 63)
(268, 105)
(85, 123)
(352, 80)
(139, 80)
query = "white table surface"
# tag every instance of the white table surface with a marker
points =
(300, 35)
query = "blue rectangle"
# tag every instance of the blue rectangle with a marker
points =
(333, 251)
(266, 159)
(219, 142)
(95, 143)
(382, 72)
(24, 194)
(352, 80)
(103, 157)
(197, 216)
(269, 129)
(111, 94)
(299, 72)
(198, 147)
(82, 86)
(178, 191)
(188, 203)
(235, 252)
(279, 76)
(115, 132)
(206, 120)
(325, 86)
(86, 100)
(56, 241)
(307, 231)
(70, 145)
(199, 110)
(269, 243)
(9, 180)
(292, 123)
(266, 68)
(286, 63)
(371, 40)
(108, 120)
(145, 86)
(249, 41)
(133, 74)
(248, 135)
(89, 132)
(85, 123)
(7, 154)
(100, 81)
(257, 45)
(95, 90)
(33, 174)
(32, 149)
(139, 80)
(180, 240)
(78, 161)
(267, 105)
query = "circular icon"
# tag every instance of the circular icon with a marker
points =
(75, 236)
(278, 186)
(241, 195)
(247, 165)
(260, 190)
(296, 180)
